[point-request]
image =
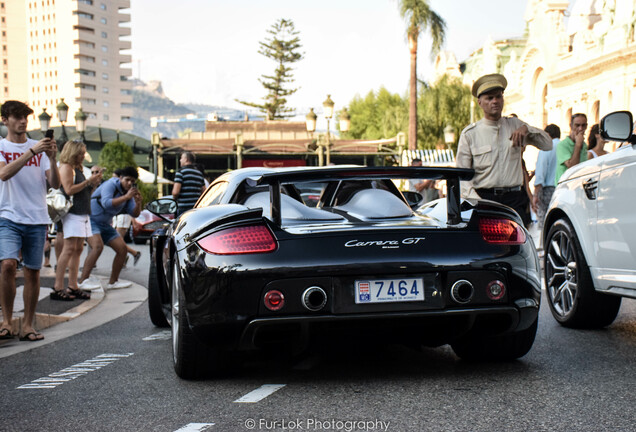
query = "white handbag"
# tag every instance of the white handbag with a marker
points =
(58, 204)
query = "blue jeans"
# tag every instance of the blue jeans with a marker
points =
(106, 230)
(16, 237)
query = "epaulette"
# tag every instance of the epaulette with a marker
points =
(469, 127)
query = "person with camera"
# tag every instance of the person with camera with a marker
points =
(25, 167)
(116, 195)
(77, 224)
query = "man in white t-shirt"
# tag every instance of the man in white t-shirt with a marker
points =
(25, 167)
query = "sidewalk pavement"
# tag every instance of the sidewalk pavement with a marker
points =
(49, 313)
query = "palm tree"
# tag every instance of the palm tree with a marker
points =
(419, 17)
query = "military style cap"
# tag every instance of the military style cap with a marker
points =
(489, 82)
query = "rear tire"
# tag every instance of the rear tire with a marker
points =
(505, 347)
(192, 359)
(571, 295)
(155, 305)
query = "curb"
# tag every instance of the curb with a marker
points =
(44, 320)
(105, 307)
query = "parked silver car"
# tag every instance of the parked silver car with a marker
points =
(590, 233)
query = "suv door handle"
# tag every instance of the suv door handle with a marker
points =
(590, 186)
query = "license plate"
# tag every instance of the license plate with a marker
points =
(389, 290)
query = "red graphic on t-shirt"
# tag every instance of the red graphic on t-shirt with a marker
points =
(34, 161)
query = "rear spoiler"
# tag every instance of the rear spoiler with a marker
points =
(451, 175)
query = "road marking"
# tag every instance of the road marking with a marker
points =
(195, 427)
(70, 373)
(162, 335)
(260, 393)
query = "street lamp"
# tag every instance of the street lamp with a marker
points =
(449, 135)
(156, 142)
(45, 120)
(80, 122)
(310, 121)
(62, 114)
(345, 120)
(328, 105)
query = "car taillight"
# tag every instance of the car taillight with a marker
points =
(239, 240)
(501, 231)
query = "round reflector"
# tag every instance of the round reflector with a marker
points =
(495, 290)
(274, 300)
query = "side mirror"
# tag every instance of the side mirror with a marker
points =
(618, 126)
(163, 207)
(412, 198)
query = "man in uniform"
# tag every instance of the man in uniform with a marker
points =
(493, 147)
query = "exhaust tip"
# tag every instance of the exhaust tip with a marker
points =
(314, 298)
(462, 291)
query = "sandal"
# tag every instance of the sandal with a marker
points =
(79, 294)
(61, 295)
(5, 333)
(32, 337)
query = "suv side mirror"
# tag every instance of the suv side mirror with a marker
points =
(618, 126)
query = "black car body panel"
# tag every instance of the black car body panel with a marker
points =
(332, 247)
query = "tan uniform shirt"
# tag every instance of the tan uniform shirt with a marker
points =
(486, 147)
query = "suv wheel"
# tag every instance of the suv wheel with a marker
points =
(573, 300)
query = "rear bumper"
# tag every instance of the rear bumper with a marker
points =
(428, 327)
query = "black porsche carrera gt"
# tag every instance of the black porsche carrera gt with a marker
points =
(251, 265)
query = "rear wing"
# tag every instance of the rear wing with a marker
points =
(451, 175)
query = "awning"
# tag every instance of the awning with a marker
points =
(148, 177)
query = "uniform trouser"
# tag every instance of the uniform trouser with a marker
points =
(518, 200)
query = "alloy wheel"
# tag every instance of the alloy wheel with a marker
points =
(561, 273)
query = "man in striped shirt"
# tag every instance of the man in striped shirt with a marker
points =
(189, 183)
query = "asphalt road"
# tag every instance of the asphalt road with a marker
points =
(119, 377)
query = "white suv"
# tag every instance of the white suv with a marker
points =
(590, 233)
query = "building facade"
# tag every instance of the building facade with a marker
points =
(574, 56)
(71, 50)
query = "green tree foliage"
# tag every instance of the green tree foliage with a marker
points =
(117, 154)
(283, 47)
(419, 17)
(383, 115)
(447, 102)
(379, 115)
(148, 192)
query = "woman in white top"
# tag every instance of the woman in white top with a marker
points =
(77, 226)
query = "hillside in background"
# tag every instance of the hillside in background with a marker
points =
(149, 101)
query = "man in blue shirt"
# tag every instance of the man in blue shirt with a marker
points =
(544, 175)
(114, 196)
